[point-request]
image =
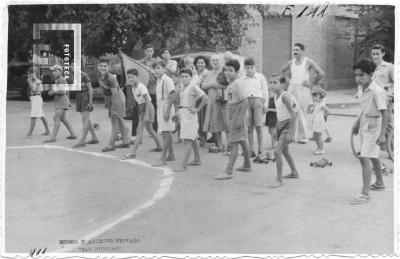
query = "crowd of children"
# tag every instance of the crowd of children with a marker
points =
(220, 100)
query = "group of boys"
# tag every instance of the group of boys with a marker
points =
(247, 101)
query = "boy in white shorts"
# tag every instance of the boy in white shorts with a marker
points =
(35, 87)
(187, 112)
(371, 125)
(165, 92)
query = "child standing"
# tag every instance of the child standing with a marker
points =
(187, 112)
(237, 108)
(36, 88)
(285, 129)
(165, 91)
(146, 113)
(320, 112)
(371, 125)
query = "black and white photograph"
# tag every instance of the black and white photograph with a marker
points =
(188, 128)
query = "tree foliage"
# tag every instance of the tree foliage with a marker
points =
(106, 28)
(376, 24)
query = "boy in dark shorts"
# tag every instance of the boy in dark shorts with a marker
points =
(84, 105)
(371, 125)
(62, 104)
(285, 128)
(271, 120)
(237, 108)
(146, 112)
(115, 102)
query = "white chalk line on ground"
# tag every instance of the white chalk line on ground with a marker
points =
(163, 189)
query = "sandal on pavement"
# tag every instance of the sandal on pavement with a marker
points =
(360, 199)
(243, 169)
(276, 185)
(93, 141)
(292, 176)
(79, 145)
(51, 140)
(108, 149)
(194, 163)
(71, 137)
(376, 187)
(159, 163)
(128, 156)
(224, 176)
(122, 145)
(157, 149)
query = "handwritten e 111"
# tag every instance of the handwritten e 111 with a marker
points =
(307, 11)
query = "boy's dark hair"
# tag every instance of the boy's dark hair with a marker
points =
(300, 45)
(200, 57)
(148, 46)
(378, 46)
(249, 62)
(365, 65)
(133, 71)
(186, 71)
(159, 62)
(165, 49)
(233, 63)
(282, 79)
(104, 60)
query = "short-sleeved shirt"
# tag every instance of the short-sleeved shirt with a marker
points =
(383, 75)
(85, 79)
(236, 91)
(139, 92)
(189, 95)
(165, 85)
(35, 86)
(60, 84)
(373, 100)
(109, 81)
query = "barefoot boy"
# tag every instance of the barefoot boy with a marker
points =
(285, 128)
(371, 125)
(165, 91)
(62, 104)
(116, 105)
(35, 87)
(146, 112)
(187, 111)
(237, 108)
(84, 105)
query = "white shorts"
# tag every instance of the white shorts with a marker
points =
(163, 125)
(36, 106)
(189, 124)
(370, 129)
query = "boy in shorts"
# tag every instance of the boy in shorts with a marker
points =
(62, 104)
(285, 128)
(371, 125)
(84, 105)
(115, 104)
(187, 112)
(146, 112)
(165, 92)
(237, 108)
(35, 95)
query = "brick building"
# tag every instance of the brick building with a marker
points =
(329, 40)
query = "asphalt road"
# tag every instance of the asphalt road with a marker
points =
(55, 194)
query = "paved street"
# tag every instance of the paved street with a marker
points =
(70, 195)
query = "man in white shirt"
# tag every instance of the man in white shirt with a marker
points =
(257, 95)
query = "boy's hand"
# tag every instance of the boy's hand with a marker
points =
(306, 84)
(193, 110)
(89, 106)
(381, 140)
(166, 116)
(50, 93)
(266, 109)
(356, 128)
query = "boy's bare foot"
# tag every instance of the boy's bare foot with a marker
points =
(157, 149)
(108, 149)
(170, 158)
(159, 163)
(50, 140)
(277, 184)
(128, 156)
(79, 145)
(195, 162)
(292, 175)
(243, 169)
(224, 176)
(71, 137)
(93, 141)
(47, 133)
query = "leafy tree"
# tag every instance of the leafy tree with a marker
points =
(106, 28)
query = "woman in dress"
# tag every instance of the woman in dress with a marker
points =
(201, 63)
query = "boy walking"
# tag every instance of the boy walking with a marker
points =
(84, 105)
(146, 112)
(187, 112)
(165, 91)
(237, 108)
(285, 128)
(371, 125)
(62, 104)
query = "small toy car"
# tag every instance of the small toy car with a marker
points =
(321, 163)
